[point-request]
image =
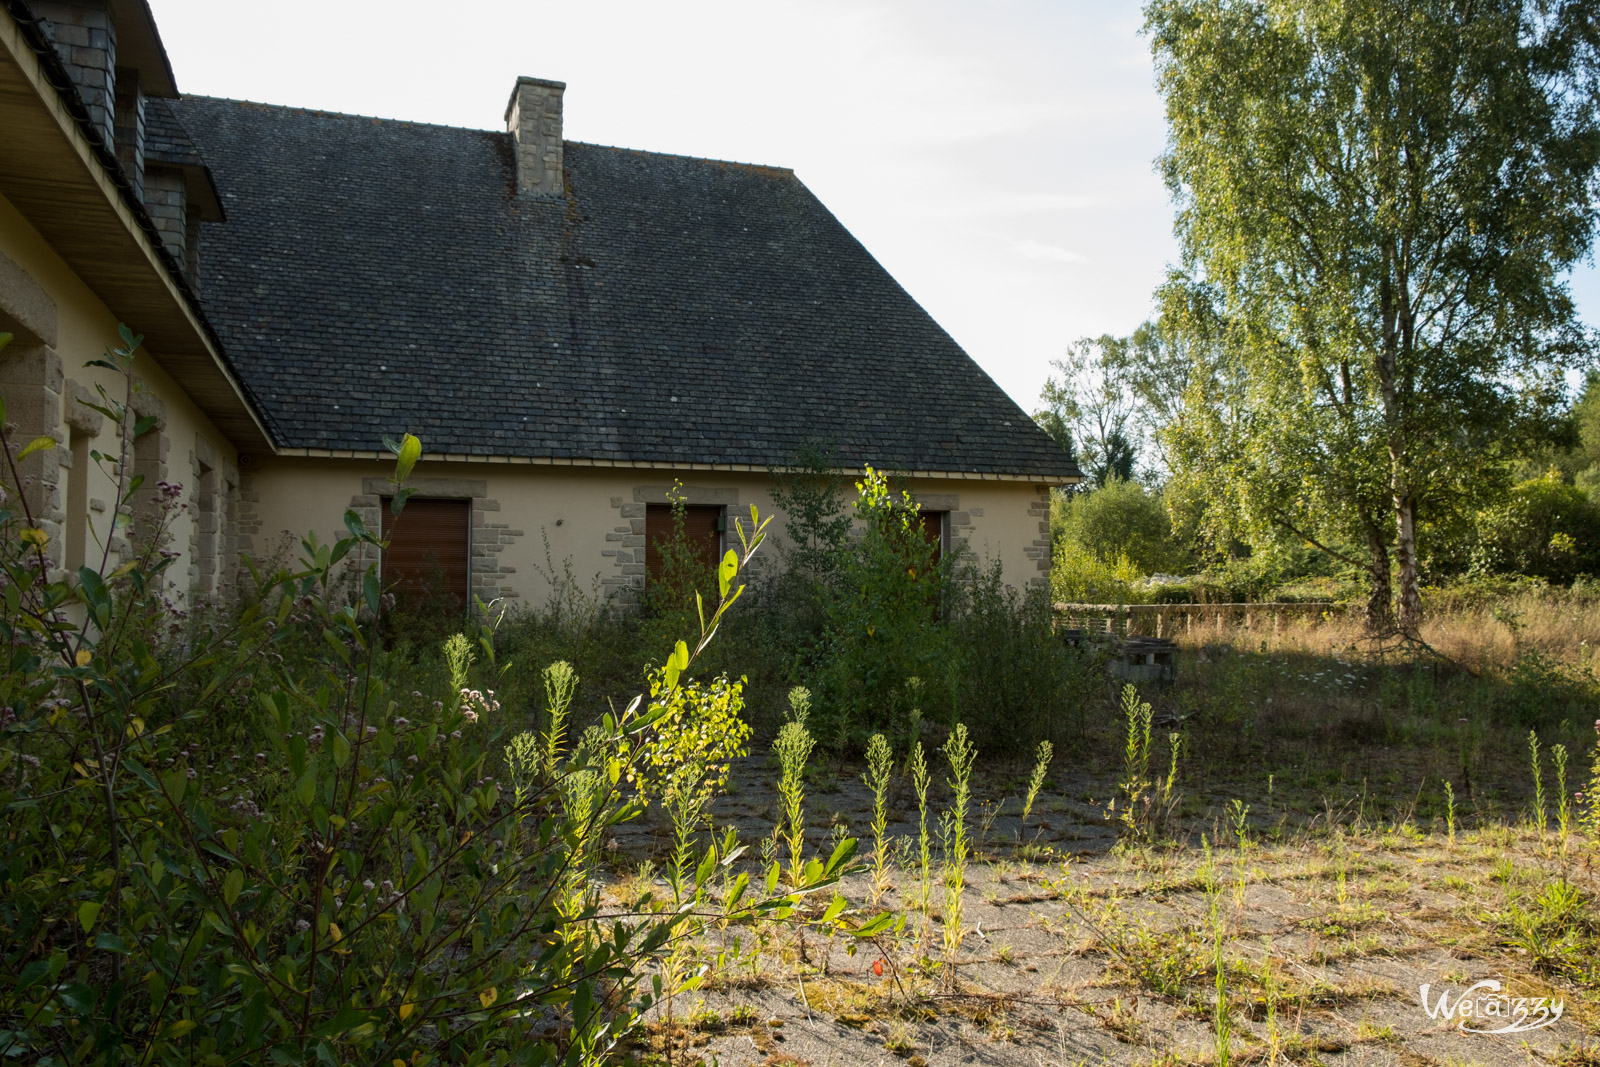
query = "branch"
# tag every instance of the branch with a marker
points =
(1278, 517)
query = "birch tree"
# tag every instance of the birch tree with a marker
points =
(1385, 195)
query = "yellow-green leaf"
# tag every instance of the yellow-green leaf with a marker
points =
(410, 452)
(88, 912)
(38, 444)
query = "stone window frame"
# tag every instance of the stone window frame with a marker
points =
(625, 543)
(214, 503)
(488, 575)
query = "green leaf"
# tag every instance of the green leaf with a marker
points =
(875, 925)
(355, 524)
(410, 452)
(88, 912)
(707, 866)
(398, 503)
(841, 855)
(371, 589)
(38, 444)
(306, 787)
(232, 886)
(680, 656)
(727, 571)
(341, 750)
(110, 942)
(145, 425)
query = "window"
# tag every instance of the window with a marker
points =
(78, 501)
(703, 526)
(934, 524)
(205, 531)
(427, 564)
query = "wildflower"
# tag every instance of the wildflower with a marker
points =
(455, 735)
(402, 721)
(191, 774)
(368, 885)
(301, 927)
(372, 731)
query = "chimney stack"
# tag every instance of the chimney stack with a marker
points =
(533, 118)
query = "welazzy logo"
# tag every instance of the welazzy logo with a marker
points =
(1484, 1009)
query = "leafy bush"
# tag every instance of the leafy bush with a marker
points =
(1078, 576)
(1017, 683)
(882, 616)
(271, 844)
(1546, 529)
(1120, 520)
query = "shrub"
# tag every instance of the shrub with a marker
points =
(1546, 529)
(281, 848)
(1017, 683)
(1120, 520)
(1078, 576)
(882, 615)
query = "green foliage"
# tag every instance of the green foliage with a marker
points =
(1016, 682)
(284, 850)
(1121, 520)
(1544, 529)
(811, 494)
(1377, 203)
(1078, 576)
(1041, 764)
(883, 616)
(880, 764)
(961, 754)
(793, 747)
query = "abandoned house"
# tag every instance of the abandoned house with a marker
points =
(571, 330)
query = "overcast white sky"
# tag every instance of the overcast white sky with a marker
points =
(995, 155)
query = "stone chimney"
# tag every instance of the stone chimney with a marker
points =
(533, 118)
(86, 41)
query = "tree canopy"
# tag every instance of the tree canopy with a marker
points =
(1379, 200)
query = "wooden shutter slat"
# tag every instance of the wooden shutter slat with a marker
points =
(700, 522)
(429, 550)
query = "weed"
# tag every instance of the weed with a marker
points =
(959, 751)
(1041, 763)
(793, 746)
(1563, 811)
(1450, 810)
(1539, 817)
(560, 683)
(880, 762)
(1135, 784)
(919, 782)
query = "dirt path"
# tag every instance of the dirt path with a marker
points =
(1076, 952)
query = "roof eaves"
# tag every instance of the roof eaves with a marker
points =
(56, 74)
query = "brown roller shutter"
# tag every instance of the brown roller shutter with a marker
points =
(428, 558)
(701, 525)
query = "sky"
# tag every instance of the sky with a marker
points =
(996, 156)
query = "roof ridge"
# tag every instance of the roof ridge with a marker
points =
(324, 112)
(683, 155)
(478, 129)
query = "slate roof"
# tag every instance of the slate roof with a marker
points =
(165, 139)
(378, 277)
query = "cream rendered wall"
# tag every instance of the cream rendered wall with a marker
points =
(85, 326)
(593, 517)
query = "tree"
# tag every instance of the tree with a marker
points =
(1122, 519)
(1092, 406)
(1384, 196)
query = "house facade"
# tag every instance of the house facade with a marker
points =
(574, 331)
